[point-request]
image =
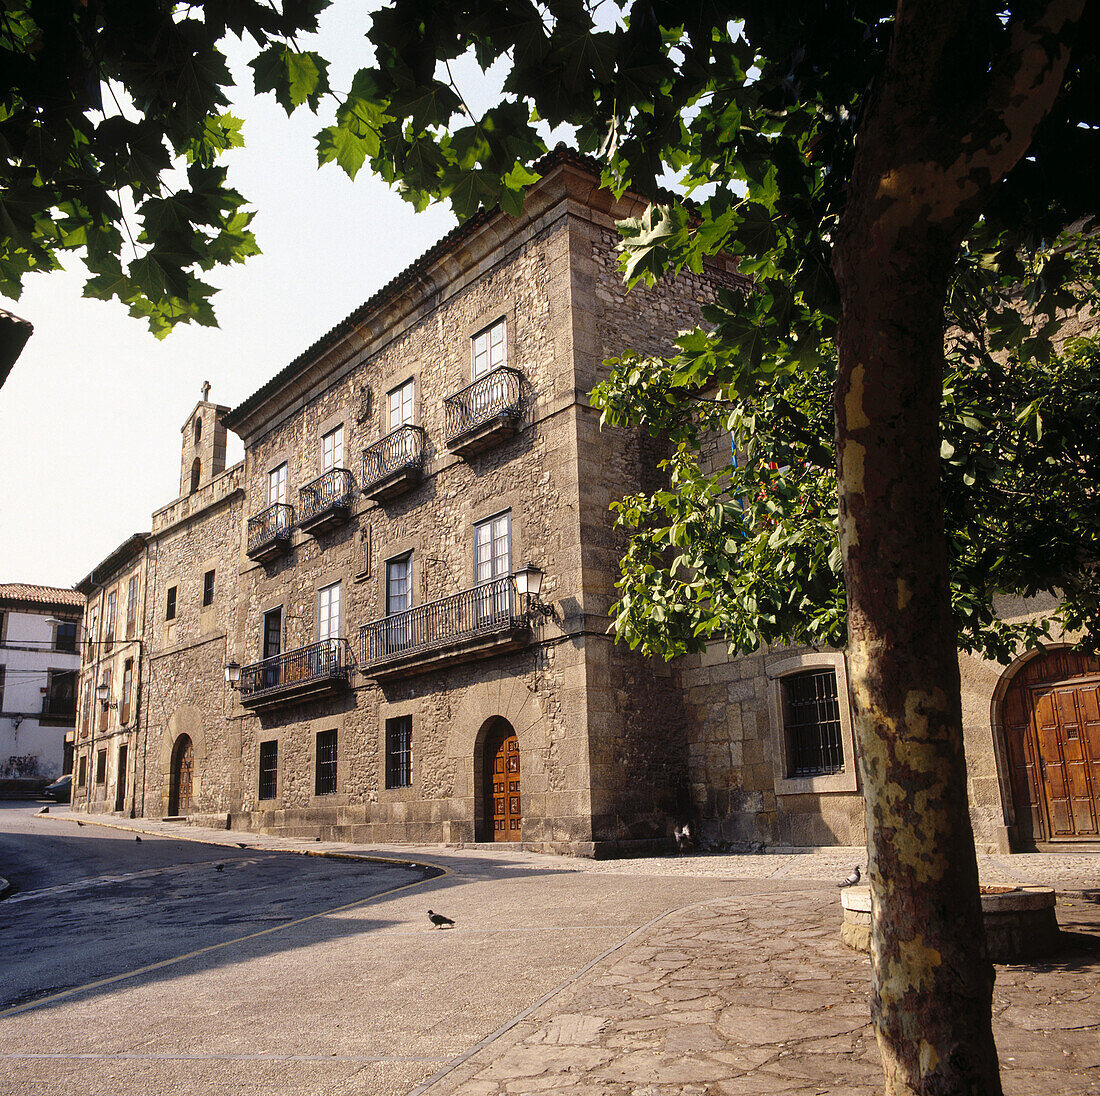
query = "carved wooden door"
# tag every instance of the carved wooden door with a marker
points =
(1067, 730)
(181, 776)
(504, 792)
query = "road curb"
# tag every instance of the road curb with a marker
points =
(405, 861)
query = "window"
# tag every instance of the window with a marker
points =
(208, 589)
(2, 688)
(398, 601)
(104, 712)
(198, 430)
(269, 769)
(326, 763)
(332, 449)
(109, 619)
(328, 612)
(811, 722)
(65, 637)
(399, 406)
(196, 474)
(93, 624)
(131, 607)
(170, 606)
(276, 485)
(60, 699)
(101, 767)
(493, 563)
(399, 752)
(82, 771)
(488, 349)
(272, 646)
(86, 708)
(127, 685)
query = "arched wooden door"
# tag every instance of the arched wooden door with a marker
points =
(1052, 729)
(183, 767)
(503, 804)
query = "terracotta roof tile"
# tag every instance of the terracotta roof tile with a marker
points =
(40, 595)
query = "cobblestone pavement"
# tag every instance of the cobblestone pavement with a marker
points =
(746, 997)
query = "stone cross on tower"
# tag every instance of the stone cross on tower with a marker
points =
(205, 391)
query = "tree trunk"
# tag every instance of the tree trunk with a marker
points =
(932, 982)
(954, 110)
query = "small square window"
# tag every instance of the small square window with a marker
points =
(208, 589)
(325, 783)
(269, 769)
(399, 752)
(170, 605)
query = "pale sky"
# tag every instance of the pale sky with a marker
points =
(90, 416)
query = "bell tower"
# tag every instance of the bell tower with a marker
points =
(203, 449)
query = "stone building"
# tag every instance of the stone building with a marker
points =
(363, 577)
(39, 660)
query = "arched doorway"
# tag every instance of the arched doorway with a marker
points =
(1051, 721)
(503, 802)
(183, 768)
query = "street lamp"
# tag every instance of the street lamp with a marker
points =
(103, 694)
(529, 580)
(233, 673)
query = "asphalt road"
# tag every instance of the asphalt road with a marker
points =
(90, 903)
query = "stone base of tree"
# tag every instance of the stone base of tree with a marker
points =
(1020, 922)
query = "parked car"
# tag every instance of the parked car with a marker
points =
(61, 790)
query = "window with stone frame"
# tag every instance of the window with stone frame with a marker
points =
(127, 688)
(82, 771)
(325, 777)
(170, 604)
(208, 589)
(269, 770)
(101, 767)
(399, 752)
(811, 723)
(399, 405)
(332, 449)
(109, 619)
(131, 607)
(489, 349)
(277, 485)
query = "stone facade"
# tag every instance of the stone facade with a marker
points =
(356, 572)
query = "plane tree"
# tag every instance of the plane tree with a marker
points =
(867, 162)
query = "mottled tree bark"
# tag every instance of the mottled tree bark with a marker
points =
(952, 114)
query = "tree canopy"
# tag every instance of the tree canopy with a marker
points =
(112, 125)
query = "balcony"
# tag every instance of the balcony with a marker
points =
(326, 501)
(393, 465)
(484, 413)
(319, 669)
(478, 623)
(269, 532)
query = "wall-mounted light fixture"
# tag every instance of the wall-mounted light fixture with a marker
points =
(233, 674)
(103, 694)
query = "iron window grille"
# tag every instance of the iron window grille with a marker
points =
(325, 783)
(269, 769)
(811, 722)
(399, 752)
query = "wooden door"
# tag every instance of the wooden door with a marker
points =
(1051, 719)
(120, 780)
(182, 770)
(1067, 729)
(504, 800)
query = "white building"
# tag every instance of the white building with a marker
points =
(39, 663)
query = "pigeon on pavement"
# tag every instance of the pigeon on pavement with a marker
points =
(79, 823)
(137, 838)
(219, 867)
(438, 920)
(852, 879)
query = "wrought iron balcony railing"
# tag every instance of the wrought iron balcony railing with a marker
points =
(59, 707)
(490, 608)
(326, 500)
(269, 530)
(400, 451)
(495, 399)
(317, 667)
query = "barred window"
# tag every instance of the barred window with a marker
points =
(399, 752)
(811, 722)
(326, 763)
(269, 769)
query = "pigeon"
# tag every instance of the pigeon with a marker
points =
(438, 920)
(137, 838)
(79, 823)
(219, 867)
(852, 879)
(241, 845)
(682, 832)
